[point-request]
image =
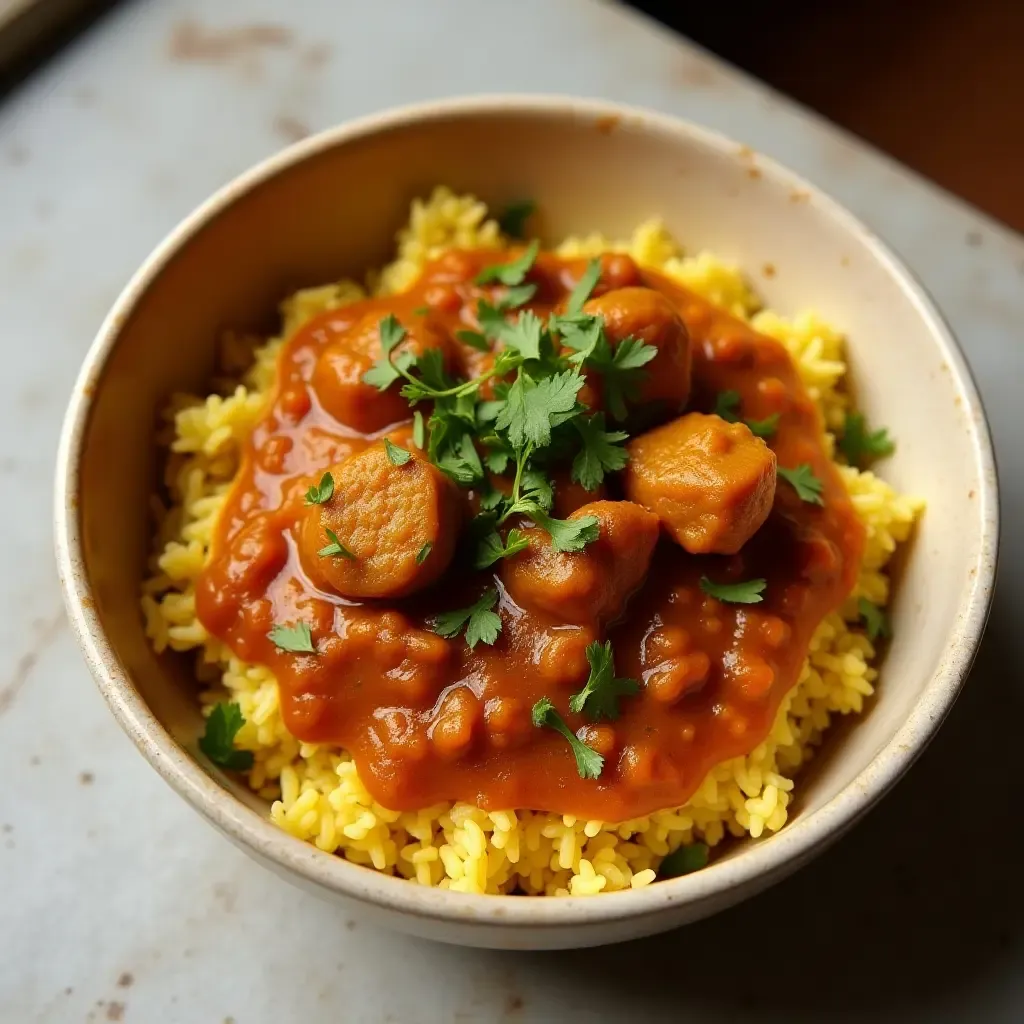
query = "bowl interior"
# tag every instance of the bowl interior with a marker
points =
(331, 210)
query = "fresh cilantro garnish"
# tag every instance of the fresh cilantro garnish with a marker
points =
(586, 284)
(335, 549)
(860, 445)
(524, 335)
(461, 461)
(600, 697)
(424, 552)
(474, 339)
(391, 332)
(726, 404)
(746, 592)
(765, 427)
(532, 408)
(418, 431)
(621, 368)
(876, 622)
(321, 493)
(510, 273)
(297, 639)
(589, 763)
(218, 742)
(602, 451)
(516, 295)
(512, 220)
(684, 860)
(491, 548)
(568, 534)
(802, 479)
(421, 310)
(480, 621)
(396, 456)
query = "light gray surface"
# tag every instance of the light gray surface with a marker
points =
(108, 876)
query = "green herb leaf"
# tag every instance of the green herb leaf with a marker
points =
(600, 697)
(510, 273)
(424, 552)
(461, 462)
(320, 494)
(532, 409)
(385, 371)
(335, 549)
(491, 548)
(568, 534)
(726, 405)
(218, 742)
(684, 860)
(746, 592)
(765, 427)
(802, 479)
(602, 451)
(876, 622)
(391, 333)
(419, 436)
(474, 339)
(497, 459)
(482, 624)
(421, 310)
(524, 335)
(516, 295)
(396, 456)
(621, 369)
(512, 219)
(589, 763)
(297, 639)
(586, 284)
(860, 445)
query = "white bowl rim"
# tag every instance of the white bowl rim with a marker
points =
(787, 849)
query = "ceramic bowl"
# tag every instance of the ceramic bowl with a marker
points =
(329, 207)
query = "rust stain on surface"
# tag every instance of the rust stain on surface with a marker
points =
(126, 980)
(115, 1011)
(291, 128)
(27, 662)
(86, 778)
(607, 124)
(768, 270)
(194, 43)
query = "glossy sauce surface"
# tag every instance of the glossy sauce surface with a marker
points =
(428, 719)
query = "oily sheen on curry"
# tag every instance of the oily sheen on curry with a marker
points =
(429, 719)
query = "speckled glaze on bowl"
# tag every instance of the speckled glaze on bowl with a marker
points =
(329, 207)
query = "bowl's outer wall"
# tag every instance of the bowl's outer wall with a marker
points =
(335, 213)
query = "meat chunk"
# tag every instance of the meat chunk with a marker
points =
(649, 315)
(398, 526)
(588, 587)
(338, 374)
(711, 483)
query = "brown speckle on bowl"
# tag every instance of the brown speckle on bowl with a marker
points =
(768, 270)
(606, 125)
(799, 195)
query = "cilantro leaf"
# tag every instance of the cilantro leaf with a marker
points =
(860, 445)
(684, 860)
(461, 462)
(586, 284)
(418, 430)
(491, 548)
(538, 488)
(512, 219)
(599, 698)
(335, 548)
(726, 405)
(621, 369)
(218, 741)
(386, 371)
(510, 273)
(589, 763)
(516, 295)
(602, 451)
(297, 639)
(531, 409)
(524, 335)
(568, 534)
(482, 624)
(876, 622)
(321, 493)
(746, 592)
(391, 333)
(497, 459)
(765, 427)
(424, 552)
(802, 479)
(474, 339)
(397, 456)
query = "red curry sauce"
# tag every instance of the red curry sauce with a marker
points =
(430, 720)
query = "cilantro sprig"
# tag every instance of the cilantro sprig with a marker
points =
(802, 479)
(599, 698)
(589, 763)
(479, 620)
(321, 493)
(728, 402)
(297, 639)
(512, 219)
(745, 592)
(861, 445)
(601, 451)
(335, 549)
(876, 622)
(397, 455)
(683, 860)
(492, 548)
(218, 741)
(512, 273)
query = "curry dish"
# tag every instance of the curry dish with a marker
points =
(526, 571)
(394, 547)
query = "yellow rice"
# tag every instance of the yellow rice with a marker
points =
(315, 790)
